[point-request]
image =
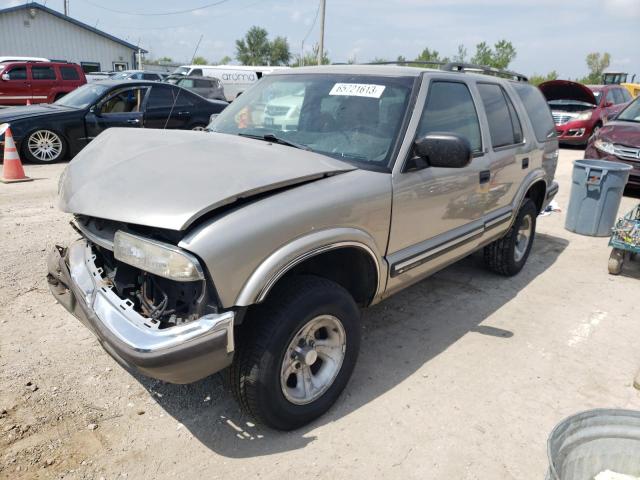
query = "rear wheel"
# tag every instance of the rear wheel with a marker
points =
(616, 261)
(508, 254)
(44, 146)
(296, 353)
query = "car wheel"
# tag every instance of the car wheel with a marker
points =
(508, 254)
(44, 146)
(616, 261)
(296, 352)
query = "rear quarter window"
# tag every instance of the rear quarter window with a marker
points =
(69, 73)
(537, 109)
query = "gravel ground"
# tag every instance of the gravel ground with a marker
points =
(461, 376)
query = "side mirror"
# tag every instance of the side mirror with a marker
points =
(5, 77)
(96, 110)
(445, 150)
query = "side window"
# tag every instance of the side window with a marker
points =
(204, 84)
(149, 76)
(18, 73)
(619, 95)
(196, 72)
(188, 83)
(626, 95)
(69, 73)
(160, 97)
(537, 109)
(504, 128)
(183, 99)
(124, 101)
(610, 98)
(43, 73)
(450, 108)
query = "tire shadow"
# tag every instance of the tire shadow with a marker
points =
(407, 330)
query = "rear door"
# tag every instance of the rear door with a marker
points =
(43, 83)
(16, 89)
(118, 108)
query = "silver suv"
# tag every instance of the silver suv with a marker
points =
(253, 248)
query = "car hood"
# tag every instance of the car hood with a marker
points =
(16, 113)
(567, 90)
(624, 133)
(168, 179)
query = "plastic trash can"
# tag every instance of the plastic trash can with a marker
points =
(596, 190)
(584, 445)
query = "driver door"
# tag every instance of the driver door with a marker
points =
(119, 108)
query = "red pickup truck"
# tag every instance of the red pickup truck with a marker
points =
(38, 82)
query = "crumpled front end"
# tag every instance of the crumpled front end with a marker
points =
(164, 329)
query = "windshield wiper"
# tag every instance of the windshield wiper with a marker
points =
(270, 137)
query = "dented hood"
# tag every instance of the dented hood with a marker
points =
(567, 90)
(168, 179)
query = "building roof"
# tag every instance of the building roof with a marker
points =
(55, 13)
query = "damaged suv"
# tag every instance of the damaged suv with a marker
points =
(252, 249)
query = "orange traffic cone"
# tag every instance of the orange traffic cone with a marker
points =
(12, 170)
(28, 102)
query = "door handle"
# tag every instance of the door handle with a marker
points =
(485, 176)
(133, 121)
(525, 163)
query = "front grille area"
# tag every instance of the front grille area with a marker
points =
(560, 118)
(627, 153)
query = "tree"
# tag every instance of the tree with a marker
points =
(430, 56)
(597, 64)
(378, 60)
(311, 58)
(200, 61)
(225, 60)
(461, 56)
(256, 49)
(536, 79)
(279, 53)
(500, 56)
(164, 60)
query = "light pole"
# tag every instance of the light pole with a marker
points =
(321, 49)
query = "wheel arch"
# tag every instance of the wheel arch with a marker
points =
(345, 256)
(537, 192)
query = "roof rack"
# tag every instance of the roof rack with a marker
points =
(470, 67)
(461, 67)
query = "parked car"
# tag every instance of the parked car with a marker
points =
(49, 133)
(207, 87)
(259, 248)
(619, 140)
(136, 75)
(580, 110)
(622, 79)
(38, 82)
(235, 79)
(96, 76)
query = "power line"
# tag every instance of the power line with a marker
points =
(146, 14)
(313, 24)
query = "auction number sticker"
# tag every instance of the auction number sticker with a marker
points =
(357, 90)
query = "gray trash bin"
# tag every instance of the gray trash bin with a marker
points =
(596, 190)
(583, 445)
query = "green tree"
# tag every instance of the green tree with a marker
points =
(461, 56)
(200, 61)
(379, 60)
(225, 60)
(597, 64)
(279, 53)
(536, 79)
(428, 55)
(500, 56)
(165, 60)
(311, 58)
(254, 48)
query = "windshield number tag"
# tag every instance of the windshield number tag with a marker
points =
(357, 90)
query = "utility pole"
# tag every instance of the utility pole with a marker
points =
(321, 49)
(66, 8)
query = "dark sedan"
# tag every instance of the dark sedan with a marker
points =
(48, 133)
(619, 140)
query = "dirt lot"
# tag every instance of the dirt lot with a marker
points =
(460, 377)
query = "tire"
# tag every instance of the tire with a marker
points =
(508, 254)
(616, 261)
(258, 377)
(44, 146)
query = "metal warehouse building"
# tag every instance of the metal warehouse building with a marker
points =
(33, 30)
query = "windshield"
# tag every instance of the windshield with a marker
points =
(83, 96)
(120, 76)
(631, 113)
(349, 117)
(180, 71)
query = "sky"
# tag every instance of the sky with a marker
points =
(548, 34)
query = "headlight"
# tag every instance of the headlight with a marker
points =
(156, 257)
(584, 116)
(603, 146)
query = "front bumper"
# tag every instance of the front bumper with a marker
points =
(180, 354)
(576, 132)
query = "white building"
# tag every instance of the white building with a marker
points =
(33, 30)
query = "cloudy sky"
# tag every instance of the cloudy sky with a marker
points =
(548, 34)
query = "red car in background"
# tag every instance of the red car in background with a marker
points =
(619, 140)
(38, 82)
(580, 110)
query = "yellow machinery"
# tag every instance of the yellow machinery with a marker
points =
(620, 78)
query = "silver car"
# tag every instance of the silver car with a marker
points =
(253, 249)
(207, 87)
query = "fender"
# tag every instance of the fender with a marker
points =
(534, 176)
(277, 264)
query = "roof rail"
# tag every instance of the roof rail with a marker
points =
(407, 62)
(464, 67)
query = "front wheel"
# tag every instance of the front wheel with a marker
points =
(296, 352)
(616, 261)
(44, 146)
(508, 254)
